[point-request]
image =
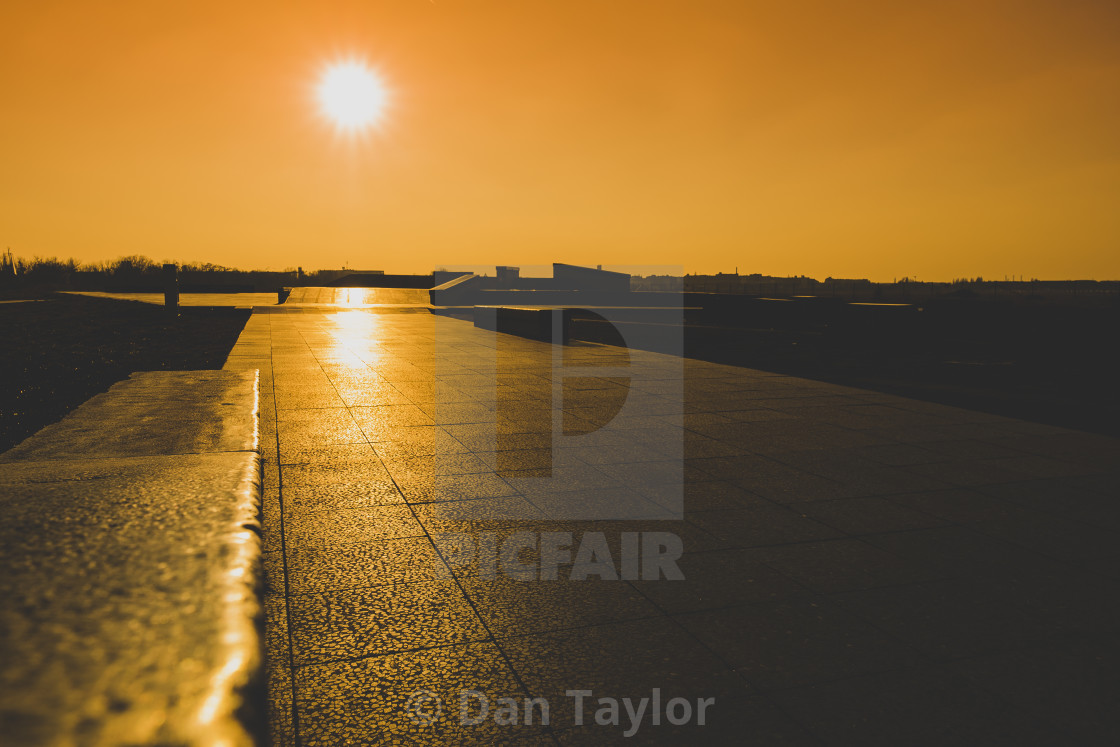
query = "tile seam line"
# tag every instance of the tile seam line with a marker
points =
(492, 638)
(435, 647)
(284, 551)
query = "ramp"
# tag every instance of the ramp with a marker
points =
(357, 297)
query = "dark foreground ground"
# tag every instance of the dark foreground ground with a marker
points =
(60, 350)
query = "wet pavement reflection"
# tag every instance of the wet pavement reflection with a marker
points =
(448, 510)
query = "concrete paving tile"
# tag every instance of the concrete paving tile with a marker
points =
(756, 721)
(697, 446)
(435, 488)
(303, 496)
(506, 508)
(275, 642)
(327, 417)
(1070, 602)
(760, 522)
(969, 472)
(271, 527)
(353, 623)
(857, 415)
(294, 364)
(709, 495)
(645, 473)
(818, 436)
(1084, 448)
(627, 660)
(457, 413)
(746, 414)
(797, 641)
(1105, 484)
(281, 731)
(697, 421)
(512, 439)
(766, 477)
(417, 392)
(668, 495)
(1054, 536)
(957, 505)
(1062, 497)
(272, 575)
(436, 464)
(747, 434)
(370, 395)
(516, 461)
(417, 440)
(692, 538)
(960, 551)
(1011, 426)
(656, 444)
(1002, 533)
(605, 504)
(377, 419)
(310, 433)
(653, 404)
(945, 412)
(858, 516)
(392, 561)
(586, 478)
(946, 619)
(841, 565)
(289, 399)
(926, 706)
(971, 448)
(328, 454)
(739, 467)
(975, 425)
(1070, 684)
(361, 468)
(384, 699)
(326, 528)
(1035, 466)
(511, 607)
(861, 476)
(449, 535)
(719, 578)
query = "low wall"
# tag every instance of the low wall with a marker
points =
(129, 568)
(545, 324)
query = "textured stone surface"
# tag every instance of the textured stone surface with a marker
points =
(859, 568)
(154, 413)
(129, 579)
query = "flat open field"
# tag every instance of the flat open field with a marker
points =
(60, 350)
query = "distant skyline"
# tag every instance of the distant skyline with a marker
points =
(934, 140)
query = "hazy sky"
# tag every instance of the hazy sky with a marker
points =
(852, 139)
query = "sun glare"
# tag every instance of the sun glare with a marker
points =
(351, 95)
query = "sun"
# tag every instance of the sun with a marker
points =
(351, 95)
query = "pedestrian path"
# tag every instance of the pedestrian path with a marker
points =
(450, 511)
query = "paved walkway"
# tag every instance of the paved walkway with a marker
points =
(859, 568)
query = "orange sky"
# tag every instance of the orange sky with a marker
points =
(852, 139)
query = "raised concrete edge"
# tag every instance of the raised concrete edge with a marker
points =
(130, 583)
